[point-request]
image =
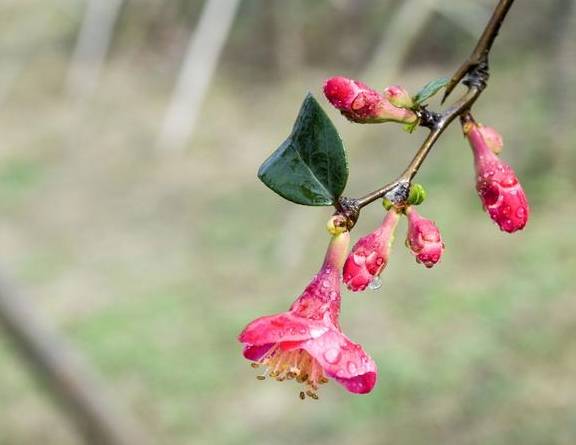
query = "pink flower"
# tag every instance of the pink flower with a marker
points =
(497, 185)
(360, 103)
(370, 254)
(306, 343)
(423, 239)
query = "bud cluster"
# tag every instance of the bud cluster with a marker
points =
(370, 254)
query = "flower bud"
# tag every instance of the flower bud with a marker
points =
(336, 225)
(398, 97)
(370, 254)
(496, 183)
(360, 103)
(417, 194)
(423, 239)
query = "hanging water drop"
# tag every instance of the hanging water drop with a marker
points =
(376, 283)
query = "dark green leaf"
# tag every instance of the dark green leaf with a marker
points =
(310, 167)
(429, 90)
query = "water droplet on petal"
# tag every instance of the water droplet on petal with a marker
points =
(376, 283)
(359, 260)
(520, 212)
(325, 283)
(332, 355)
(352, 368)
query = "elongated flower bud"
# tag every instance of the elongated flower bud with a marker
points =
(370, 254)
(361, 104)
(423, 240)
(498, 187)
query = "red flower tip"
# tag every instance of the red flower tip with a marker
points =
(370, 254)
(306, 343)
(496, 183)
(360, 103)
(423, 240)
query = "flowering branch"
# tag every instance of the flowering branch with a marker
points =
(306, 343)
(475, 68)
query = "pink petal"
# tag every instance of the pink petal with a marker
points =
(255, 353)
(343, 360)
(283, 327)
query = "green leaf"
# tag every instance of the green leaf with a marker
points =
(310, 167)
(429, 90)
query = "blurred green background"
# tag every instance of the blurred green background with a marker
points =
(151, 261)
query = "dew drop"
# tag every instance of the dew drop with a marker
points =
(359, 260)
(332, 355)
(325, 283)
(376, 283)
(520, 212)
(352, 368)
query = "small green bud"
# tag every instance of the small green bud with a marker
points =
(417, 194)
(387, 204)
(336, 225)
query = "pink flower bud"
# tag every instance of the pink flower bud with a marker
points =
(370, 254)
(497, 185)
(359, 103)
(423, 239)
(398, 97)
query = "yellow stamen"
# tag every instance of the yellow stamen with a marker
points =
(295, 365)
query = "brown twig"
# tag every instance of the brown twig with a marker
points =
(475, 69)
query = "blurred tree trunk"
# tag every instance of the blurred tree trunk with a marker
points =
(560, 85)
(407, 25)
(404, 29)
(92, 47)
(289, 45)
(98, 416)
(204, 48)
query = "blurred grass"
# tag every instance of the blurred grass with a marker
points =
(153, 264)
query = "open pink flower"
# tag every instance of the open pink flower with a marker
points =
(497, 185)
(370, 254)
(306, 343)
(360, 103)
(423, 239)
